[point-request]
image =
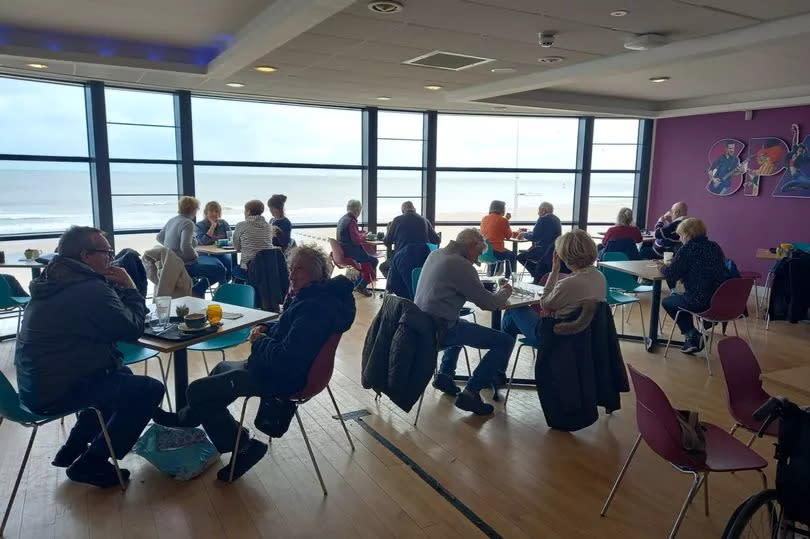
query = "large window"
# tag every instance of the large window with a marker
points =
(240, 146)
(520, 160)
(614, 167)
(400, 144)
(44, 163)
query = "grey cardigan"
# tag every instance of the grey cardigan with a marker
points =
(178, 235)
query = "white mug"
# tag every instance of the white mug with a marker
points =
(667, 257)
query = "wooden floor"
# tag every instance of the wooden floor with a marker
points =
(521, 478)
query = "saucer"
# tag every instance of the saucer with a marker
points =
(185, 329)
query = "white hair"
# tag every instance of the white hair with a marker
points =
(319, 262)
(547, 206)
(354, 205)
(469, 237)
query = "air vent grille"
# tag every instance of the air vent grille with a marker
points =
(450, 61)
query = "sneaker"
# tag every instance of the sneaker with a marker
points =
(67, 455)
(471, 402)
(444, 382)
(692, 343)
(96, 471)
(251, 453)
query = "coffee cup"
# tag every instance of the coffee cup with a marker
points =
(667, 257)
(490, 285)
(195, 320)
(31, 254)
(222, 243)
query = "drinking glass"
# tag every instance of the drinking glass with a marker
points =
(163, 307)
(230, 235)
(214, 313)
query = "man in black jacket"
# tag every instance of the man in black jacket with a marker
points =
(410, 227)
(66, 356)
(281, 355)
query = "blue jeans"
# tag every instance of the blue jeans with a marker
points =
(227, 262)
(209, 268)
(522, 320)
(498, 344)
(671, 304)
(511, 259)
(127, 401)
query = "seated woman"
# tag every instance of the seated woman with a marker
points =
(495, 229)
(700, 265)
(281, 355)
(178, 235)
(561, 297)
(282, 228)
(212, 229)
(352, 243)
(624, 236)
(251, 236)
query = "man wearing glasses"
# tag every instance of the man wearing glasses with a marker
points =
(66, 357)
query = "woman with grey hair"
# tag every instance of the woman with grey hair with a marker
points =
(624, 228)
(495, 229)
(352, 243)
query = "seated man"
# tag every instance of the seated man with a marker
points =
(354, 246)
(281, 355)
(448, 280)
(666, 235)
(66, 356)
(546, 230)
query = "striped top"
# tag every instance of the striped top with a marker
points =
(251, 236)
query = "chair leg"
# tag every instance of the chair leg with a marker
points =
(205, 362)
(751, 441)
(641, 314)
(672, 332)
(419, 408)
(736, 331)
(19, 320)
(164, 374)
(756, 300)
(110, 447)
(337, 411)
(622, 318)
(311, 454)
(706, 493)
(512, 376)
(707, 343)
(689, 497)
(619, 477)
(223, 355)
(238, 437)
(734, 429)
(19, 478)
(748, 332)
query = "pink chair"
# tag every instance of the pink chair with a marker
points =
(317, 380)
(658, 425)
(727, 305)
(744, 388)
(342, 261)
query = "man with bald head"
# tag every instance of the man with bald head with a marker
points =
(666, 237)
(410, 227)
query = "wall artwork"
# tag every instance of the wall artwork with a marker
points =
(725, 170)
(767, 156)
(795, 183)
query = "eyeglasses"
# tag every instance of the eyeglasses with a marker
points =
(109, 252)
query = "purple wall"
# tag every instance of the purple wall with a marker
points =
(740, 224)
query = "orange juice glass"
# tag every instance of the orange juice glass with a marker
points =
(214, 313)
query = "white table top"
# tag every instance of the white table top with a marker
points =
(18, 260)
(215, 250)
(523, 293)
(646, 269)
(250, 317)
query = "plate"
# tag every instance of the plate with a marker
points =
(185, 329)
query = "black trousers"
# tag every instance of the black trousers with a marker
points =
(127, 401)
(209, 397)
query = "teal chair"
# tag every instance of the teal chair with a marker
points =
(7, 301)
(615, 297)
(134, 353)
(432, 246)
(228, 294)
(488, 257)
(624, 282)
(13, 410)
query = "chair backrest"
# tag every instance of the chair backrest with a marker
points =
(5, 295)
(488, 256)
(415, 274)
(321, 370)
(615, 278)
(242, 295)
(10, 402)
(741, 371)
(729, 300)
(338, 257)
(657, 422)
(432, 246)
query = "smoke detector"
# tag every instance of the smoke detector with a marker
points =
(385, 7)
(644, 42)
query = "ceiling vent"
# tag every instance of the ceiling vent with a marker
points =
(450, 61)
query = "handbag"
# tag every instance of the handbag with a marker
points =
(693, 437)
(274, 416)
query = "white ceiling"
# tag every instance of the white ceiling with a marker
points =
(723, 55)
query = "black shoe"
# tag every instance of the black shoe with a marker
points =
(363, 291)
(471, 402)
(166, 419)
(499, 380)
(248, 456)
(444, 382)
(67, 455)
(692, 343)
(96, 471)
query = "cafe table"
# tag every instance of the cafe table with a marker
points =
(249, 318)
(18, 260)
(646, 269)
(766, 254)
(216, 250)
(516, 243)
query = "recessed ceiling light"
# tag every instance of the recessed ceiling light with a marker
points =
(265, 69)
(235, 85)
(659, 79)
(550, 59)
(383, 98)
(385, 7)
(38, 66)
(433, 87)
(498, 108)
(503, 70)
(619, 13)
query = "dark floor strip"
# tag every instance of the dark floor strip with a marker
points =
(468, 513)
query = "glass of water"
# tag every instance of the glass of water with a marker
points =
(163, 307)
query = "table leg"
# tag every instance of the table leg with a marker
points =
(180, 378)
(515, 247)
(655, 307)
(35, 272)
(496, 320)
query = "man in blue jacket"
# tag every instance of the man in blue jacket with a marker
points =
(281, 355)
(546, 230)
(66, 357)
